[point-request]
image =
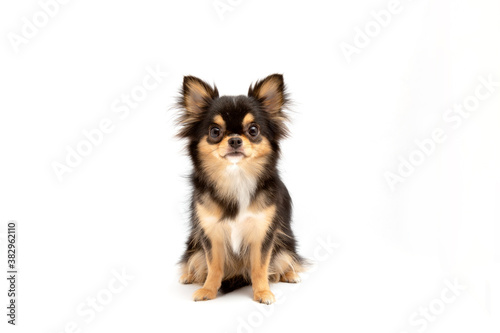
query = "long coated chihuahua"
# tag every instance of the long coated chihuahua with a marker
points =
(240, 209)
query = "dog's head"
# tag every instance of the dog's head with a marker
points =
(227, 131)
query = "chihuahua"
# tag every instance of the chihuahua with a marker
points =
(240, 209)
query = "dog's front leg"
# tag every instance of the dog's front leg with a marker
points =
(259, 274)
(214, 254)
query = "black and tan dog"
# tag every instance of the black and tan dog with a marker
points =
(240, 209)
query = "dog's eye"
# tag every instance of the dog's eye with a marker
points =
(215, 132)
(253, 130)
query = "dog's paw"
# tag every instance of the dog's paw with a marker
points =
(264, 296)
(203, 294)
(273, 278)
(290, 277)
(186, 278)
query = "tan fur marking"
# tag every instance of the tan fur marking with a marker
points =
(259, 263)
(215, 264)
(195, 270)
(260, 275)
(290, 277)
(261, 151)
(259, 203)
(249, 118)
(261, 221)
(219, 121)
(209, 215)
(272, 97)
(195, 99)
(285, 268)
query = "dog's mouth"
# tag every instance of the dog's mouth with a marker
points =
(234, 156)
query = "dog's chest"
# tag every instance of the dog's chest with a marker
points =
(239, 233)
(242, 228)
(238, 186)
(248, 224)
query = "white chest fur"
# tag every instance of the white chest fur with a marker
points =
(242, 229)
(239, 185)
(236, 236)
(249, 226)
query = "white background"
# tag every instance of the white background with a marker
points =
(125, 205)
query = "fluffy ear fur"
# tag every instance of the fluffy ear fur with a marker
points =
(196, 96)
(271, 94)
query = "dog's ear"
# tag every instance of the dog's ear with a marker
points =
(196, 96)
(271, 94)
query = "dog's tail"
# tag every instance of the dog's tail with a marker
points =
(231, 284)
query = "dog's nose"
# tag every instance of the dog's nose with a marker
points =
(235, 142)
